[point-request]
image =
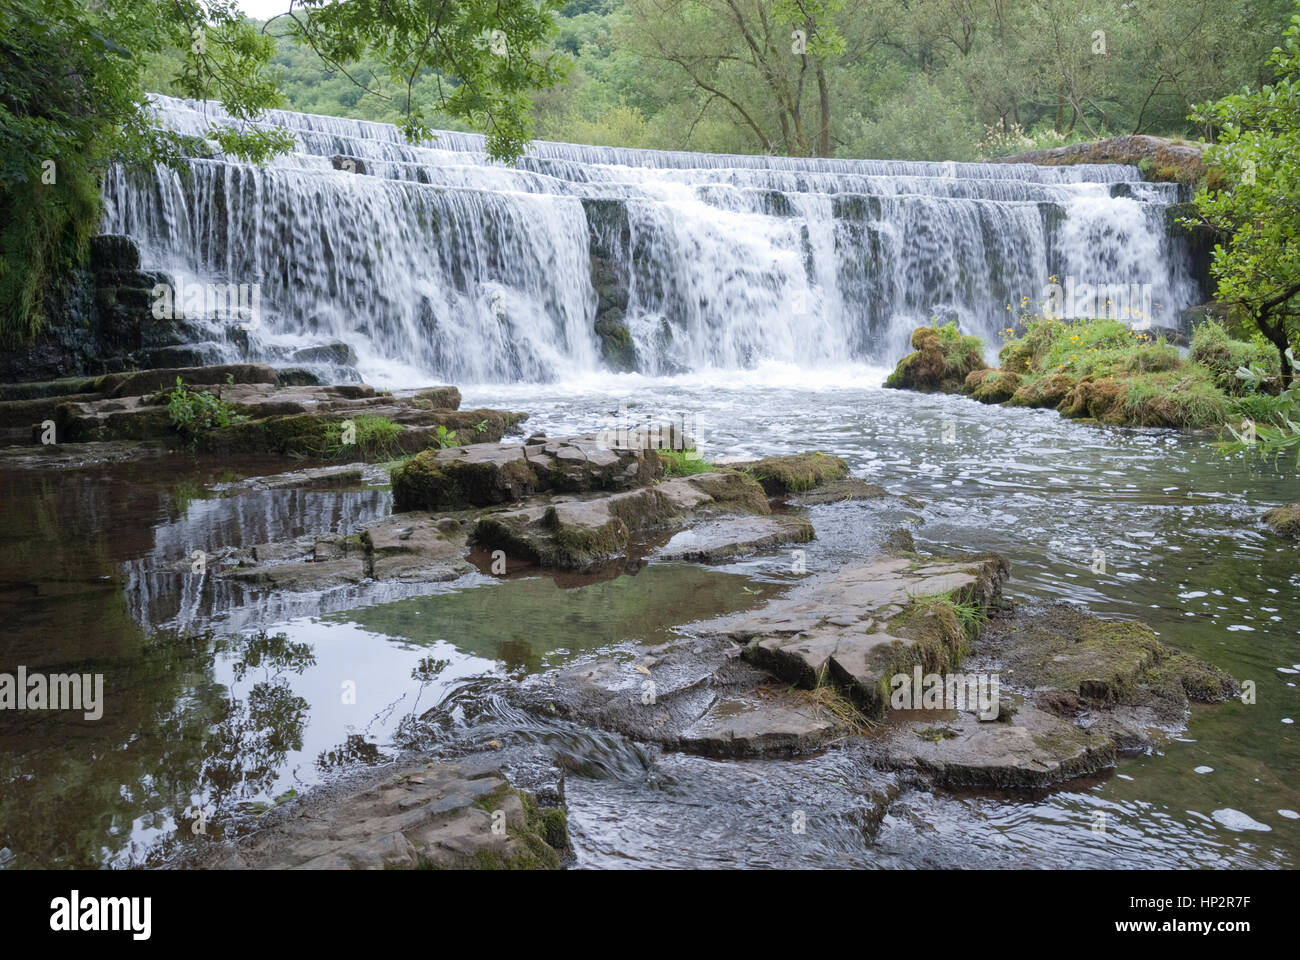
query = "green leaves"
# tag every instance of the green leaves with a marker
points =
(480, 59)
(1258, 208)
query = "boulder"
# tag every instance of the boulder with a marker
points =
(939, 363)
(797, 473)
(485, 474)
(1284, 521)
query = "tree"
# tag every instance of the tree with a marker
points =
(485, 57)
(73, 97)
(757, 58)
(1258, 208)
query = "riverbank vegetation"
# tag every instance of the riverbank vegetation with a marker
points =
(1105, 370)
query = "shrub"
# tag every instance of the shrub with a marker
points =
(1212, 347)
(193, 412)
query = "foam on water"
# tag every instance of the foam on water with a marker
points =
(434, 262)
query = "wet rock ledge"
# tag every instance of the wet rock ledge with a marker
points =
(435, 815)
(125, 415)
(821, 666)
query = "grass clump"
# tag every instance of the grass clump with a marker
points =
(831, 700)
(684, 463)
(941, 360)
(1108, 371)
(1214, 349)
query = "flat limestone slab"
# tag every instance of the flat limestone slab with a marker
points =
(434, 814)
(694, 696)
(717, 541)
(843, 629)
(571, 533)
(1033, 749)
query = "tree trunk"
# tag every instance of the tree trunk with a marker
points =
(1275, 332)
(824, 94)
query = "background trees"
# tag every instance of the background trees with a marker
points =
(1258, 206)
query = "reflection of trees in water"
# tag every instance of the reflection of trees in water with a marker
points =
(414, 730)
(252, 736)
(355, 749)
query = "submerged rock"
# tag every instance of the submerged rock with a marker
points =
(840, 491)
(410, 548)
(1091, 689)
(1284, 521)
(696, 696)
(1067, 693)
(434, 815)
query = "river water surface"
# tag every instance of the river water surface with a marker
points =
(226, 703)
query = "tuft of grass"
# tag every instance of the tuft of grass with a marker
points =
(1185, 398)
(830, 699)
(374, 438)
(1214, 349)
(684, 463)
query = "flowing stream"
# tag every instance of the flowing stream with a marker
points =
(201, 710)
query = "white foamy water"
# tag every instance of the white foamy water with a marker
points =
(434, 263)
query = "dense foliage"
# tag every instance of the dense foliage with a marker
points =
(1258, 209)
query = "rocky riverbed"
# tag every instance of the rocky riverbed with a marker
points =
(862, 656)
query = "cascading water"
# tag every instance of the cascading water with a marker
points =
(432, 262)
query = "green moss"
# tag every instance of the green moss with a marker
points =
(942, 359)
(1284, 521)
(998, 386)
(426, 482)
(1182, 675)
(1046, 391)
(797, 473)
(572, 546)
(941, 629)
(736, 489)
(309, 435)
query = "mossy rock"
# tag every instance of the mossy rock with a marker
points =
(1102, 400)
(975, 378)
(1017, 355)
(1063, 649)
(941, 361)
(795, 473)
(438, 398)
(1046, 391)
(426, 482)
(998, 387)
(1284, 521)
(541, 835)
(616, 346)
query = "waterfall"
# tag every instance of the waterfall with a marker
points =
(433, 262)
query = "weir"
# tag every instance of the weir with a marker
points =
(432, 262)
